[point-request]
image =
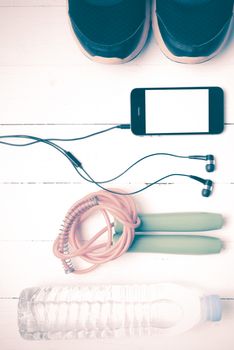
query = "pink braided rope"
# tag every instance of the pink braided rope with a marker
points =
(68, 244)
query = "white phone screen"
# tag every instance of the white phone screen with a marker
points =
(177, 111)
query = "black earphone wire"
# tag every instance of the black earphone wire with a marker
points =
(77, 164)
(131, 166)
(134, 192)
(54, 139)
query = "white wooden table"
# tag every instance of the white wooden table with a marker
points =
(48, 88)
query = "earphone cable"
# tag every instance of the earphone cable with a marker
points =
(137, 191)
(87, 177)
(37, 140)
(134, 164)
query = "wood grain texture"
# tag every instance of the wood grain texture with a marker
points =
(32, 3)
(48, 88)
(46, 79)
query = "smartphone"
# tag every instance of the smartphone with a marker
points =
(179, 110)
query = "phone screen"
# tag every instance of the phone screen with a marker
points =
(177, 111)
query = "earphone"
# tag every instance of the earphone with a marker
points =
(210, 166)
(210, 159)
(207, 191)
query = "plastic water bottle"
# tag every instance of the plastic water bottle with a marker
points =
(113, 311)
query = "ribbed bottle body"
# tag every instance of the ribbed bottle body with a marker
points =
(102, 311)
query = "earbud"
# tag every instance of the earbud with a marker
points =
(210, 166)
(207, 191)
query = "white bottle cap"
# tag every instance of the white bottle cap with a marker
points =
(213, 308)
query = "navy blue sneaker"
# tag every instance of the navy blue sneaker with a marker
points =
(191, 31)
(110, 31)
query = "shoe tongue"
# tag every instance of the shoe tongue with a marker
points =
(104, 2)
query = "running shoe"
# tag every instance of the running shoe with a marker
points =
(110, 31)
(192, 31)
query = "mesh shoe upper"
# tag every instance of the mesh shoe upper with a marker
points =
(194, 22)
(107, 25)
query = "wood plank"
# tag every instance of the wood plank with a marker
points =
(36, 212)
(46, 79)
(32, 3)
(32, 263)
(50, 40)
(107, 155)
(83, 93)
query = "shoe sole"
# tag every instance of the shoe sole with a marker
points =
(183, 59)
(116, 60)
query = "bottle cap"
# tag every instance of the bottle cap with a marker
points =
(213, 308)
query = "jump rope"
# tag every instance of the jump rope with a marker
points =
(109, 201)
